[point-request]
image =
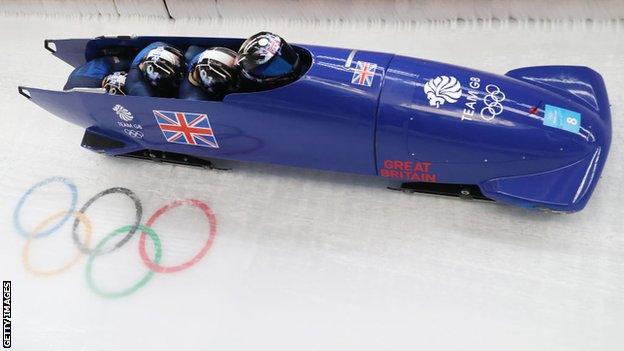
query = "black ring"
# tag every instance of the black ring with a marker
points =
(135, 226)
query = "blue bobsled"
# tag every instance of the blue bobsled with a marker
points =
(536, 137)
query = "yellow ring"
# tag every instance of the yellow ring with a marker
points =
(25, 260)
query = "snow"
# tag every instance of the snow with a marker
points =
(304, 259)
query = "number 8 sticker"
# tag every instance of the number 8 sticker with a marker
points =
(561, 118)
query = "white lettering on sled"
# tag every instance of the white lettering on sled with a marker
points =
(492, 100)
(131, 129)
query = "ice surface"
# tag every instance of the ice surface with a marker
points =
(303, 259)
(323, 10)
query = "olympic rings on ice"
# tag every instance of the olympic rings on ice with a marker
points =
(74, 198)
(154, 266)
(137, 285)
(43, 272)
(82, 247)
(139, 213)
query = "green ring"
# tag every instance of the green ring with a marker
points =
(140, 283)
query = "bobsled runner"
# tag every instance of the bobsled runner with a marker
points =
(536, 137)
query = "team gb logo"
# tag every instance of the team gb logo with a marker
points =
(123, 113)
(442, 89)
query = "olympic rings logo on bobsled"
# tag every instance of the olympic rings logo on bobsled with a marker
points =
(83, 247)
(134, 133)
(493, 102)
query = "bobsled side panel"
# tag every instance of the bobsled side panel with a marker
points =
(71, 51)
(324, 120)
(63, 105)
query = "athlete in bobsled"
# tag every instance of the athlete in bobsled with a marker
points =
(210, 75)
(264, 61)
(267, 61)
(156, 71)
(535, 137)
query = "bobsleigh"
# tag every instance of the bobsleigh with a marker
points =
(536, 137)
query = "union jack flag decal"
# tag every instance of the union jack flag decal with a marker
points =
(186, 128)
(364, 73)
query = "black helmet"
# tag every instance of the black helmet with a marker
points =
(115, 83)
(266, 59)
(162, 67)
(214, 70)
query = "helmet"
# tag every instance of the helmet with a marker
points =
(214, 71)
(266, 59)
(162, 67)
(114, 83)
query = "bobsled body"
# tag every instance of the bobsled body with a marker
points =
(536, 137)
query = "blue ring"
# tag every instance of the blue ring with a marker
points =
(18, 208)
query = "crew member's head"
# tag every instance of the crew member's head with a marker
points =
(162, 67)
(267, 60)
(214, 71)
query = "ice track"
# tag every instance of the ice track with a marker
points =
(300, 259)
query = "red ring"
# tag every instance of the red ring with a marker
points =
(213, 231)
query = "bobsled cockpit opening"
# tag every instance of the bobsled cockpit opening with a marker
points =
(184, 68)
